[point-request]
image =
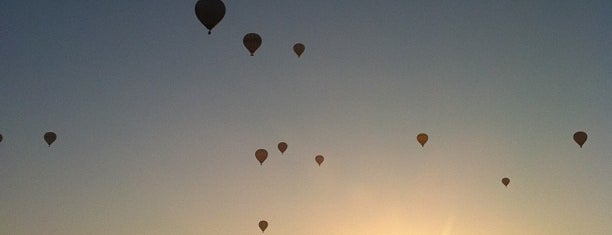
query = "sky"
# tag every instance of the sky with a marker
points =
(158, 122)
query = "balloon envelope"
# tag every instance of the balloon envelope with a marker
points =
(505, 181)
(261, 155)
(0, 138)
(580, 137)
(319, 159)
(282, 147)
(50, 137)
(210, 12)
(251, 41)
(422, 139)
(263, 225)
(298, 48)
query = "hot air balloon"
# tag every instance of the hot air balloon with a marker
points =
(50, 137)
(505, 181)
(0, 138)
(263, 225)
(261, 155)
(282, 147)
(298, 48)
(422, 139)
(319, 159)
(251, 41)
(580, 137)
(210, 12)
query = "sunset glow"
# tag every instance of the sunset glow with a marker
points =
(158, 123)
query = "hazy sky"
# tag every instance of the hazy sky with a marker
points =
(158, 122)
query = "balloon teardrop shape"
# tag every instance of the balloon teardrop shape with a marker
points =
(282, 147)
(505, 181)
(422, 139)
(263, 225)
(251, 41)
(319, 159)
(210, 12)
(261, 155)
(50, 137)
(580, 138)
(299, 48)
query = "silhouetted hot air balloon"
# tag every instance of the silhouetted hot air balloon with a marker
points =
(210, 12)
(50, 137)
(282, 147)
(261, 155)
(0, 138)
(298, 48)
(251, 41)
(263, 225)
(319, 159)
(422, 138)
(580, 137)
(505, 181)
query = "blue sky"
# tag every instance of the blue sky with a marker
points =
(158, 122)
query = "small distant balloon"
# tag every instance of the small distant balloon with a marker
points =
(251, 41)
(422, 139)
(50, 137)
(282, 147)
(0, 138)
(210, 12)
(580, 137)
(263, 225)
(261, 155)
(319, 159)
(505, 181)
(298, 48)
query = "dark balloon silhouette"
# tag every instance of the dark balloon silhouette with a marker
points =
(298, 48)
(282, 147)
(0, 138)
(50, 137)
(580, 137)
(210, 12)
(505, 181)
(251, 41)
(319, 159)
(263, 225)
(422, 139)
(261, 155)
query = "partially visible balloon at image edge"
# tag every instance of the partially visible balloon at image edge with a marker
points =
(210, 12)
(263, 225)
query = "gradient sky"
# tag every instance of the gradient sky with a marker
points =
(158, 122)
